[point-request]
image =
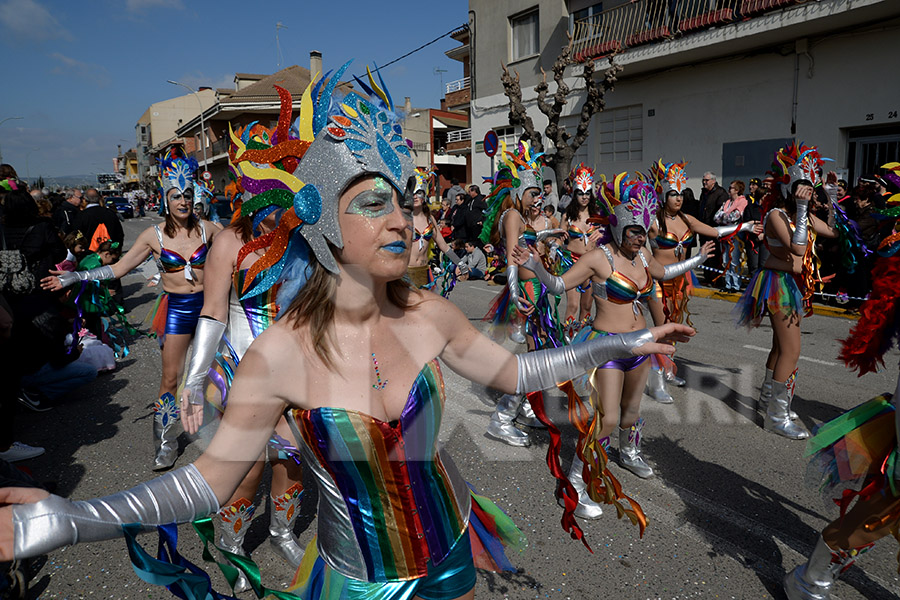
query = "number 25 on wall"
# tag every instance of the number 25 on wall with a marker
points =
(892, 114)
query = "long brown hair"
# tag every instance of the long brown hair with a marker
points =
(313, 307)
(661, 218)
(508, 202)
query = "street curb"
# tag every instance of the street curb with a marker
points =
(818, 309)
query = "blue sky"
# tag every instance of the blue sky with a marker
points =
(81, 73)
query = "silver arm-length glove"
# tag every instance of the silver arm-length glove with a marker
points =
(800, 237)
(546, 368)
(681, 267)
(553, 283)
(207, 337)
(99, 274)
(177, 497)
(723, 230)
(543, 234)
(512, 283)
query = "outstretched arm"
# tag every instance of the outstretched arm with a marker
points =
(667, 272)
(556, 284)
(475, 357)
(132, 259)
(33, 522)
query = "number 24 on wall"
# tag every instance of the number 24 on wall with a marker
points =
(892, 114)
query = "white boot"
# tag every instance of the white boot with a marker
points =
(234, 521)
(765, 393)
(587, 508)
(283, 511)
(656, 387)
(778, 419)
(630, 455)
(815, 579)
(527, 417)
(165, 434)
(501, 426)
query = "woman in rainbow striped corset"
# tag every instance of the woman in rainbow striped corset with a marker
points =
(353, 365)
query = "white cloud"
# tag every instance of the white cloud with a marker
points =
(197, 79)
(28, 19)
(70, 66)
(143, 5)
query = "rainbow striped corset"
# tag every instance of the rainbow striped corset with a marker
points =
(389, 501)
(620, 289)
(249, 317)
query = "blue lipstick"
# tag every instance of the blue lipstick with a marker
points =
(395, 247)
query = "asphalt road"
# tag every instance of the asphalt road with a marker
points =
(729, 511)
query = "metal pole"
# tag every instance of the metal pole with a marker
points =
(1, 123)
(202, 125)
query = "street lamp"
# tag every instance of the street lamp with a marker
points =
(1, 123)
(27, 154)
(202, 126)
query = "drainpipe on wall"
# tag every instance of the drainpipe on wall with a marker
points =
(801, 47)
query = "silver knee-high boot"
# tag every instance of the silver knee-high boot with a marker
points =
(765, 394)
(778, 414)
(675, 380)
(587, 508)
(283, 511)
(501, 426)
(630, 456)
(165, 435)
(656, 386)
(527, 417)
(233, 522)
(517, 332)
(815, 579)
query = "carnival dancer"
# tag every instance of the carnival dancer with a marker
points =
(182, 281)
(522, 304)
(228, 325)
(426, 235)
(855, 456)
(583, 232)
(672, 233)
(359, 382)
(621, 273)
(790, 234)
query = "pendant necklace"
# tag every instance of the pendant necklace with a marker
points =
(379, 383)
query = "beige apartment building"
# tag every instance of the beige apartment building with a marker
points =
(720, 83)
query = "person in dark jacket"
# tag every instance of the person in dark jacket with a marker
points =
(459, 220)
(67, 213)
(712, 198)
(474, 206)
(37, 238)
(96, 214)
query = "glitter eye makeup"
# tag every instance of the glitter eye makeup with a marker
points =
(373, 203)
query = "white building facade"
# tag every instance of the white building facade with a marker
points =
(720, 83)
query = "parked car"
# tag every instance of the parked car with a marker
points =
(123, 206)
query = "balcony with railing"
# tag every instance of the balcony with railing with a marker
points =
(458, 93)
(459, 141)
(648, 21)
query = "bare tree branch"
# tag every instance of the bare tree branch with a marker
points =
(518, 115)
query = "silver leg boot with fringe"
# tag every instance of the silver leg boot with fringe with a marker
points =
(283, 511)
(765, 394)
(233, 521)
(630, 456)
(656, 386)
(527, 417)
(778, 414)
(501, 426)
(815, 579)
(587, 508)
(165, 434)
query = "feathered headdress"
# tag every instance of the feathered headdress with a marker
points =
(176, 171)
(582, 178)
(628, 202)
(518, 171)
(425, 180)
(305, 168)
(795, 163)
(668, 177)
